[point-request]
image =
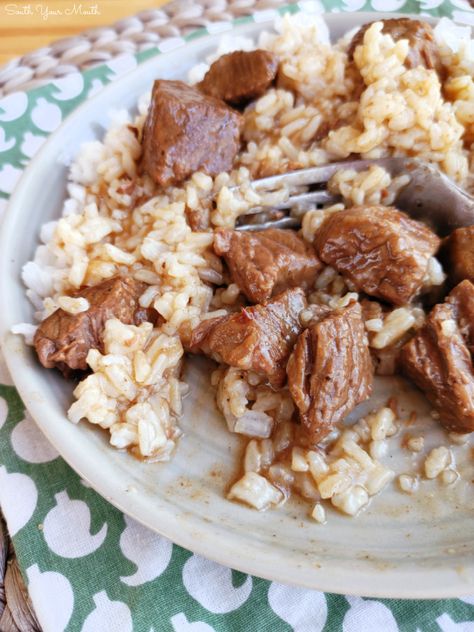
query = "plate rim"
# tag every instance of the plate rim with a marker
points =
(326, 579)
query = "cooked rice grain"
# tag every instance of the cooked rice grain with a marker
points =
(134, 390)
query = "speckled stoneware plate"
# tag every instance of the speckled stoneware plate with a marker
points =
(401, 546)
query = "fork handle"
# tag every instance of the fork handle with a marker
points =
(284, 222)
(435, 199)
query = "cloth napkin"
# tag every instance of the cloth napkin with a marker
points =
(87, 566)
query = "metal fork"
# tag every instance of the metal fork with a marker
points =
(429, 196)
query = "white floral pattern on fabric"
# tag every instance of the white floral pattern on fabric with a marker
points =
(57, 524)
(446, 624)
(29, 442)
(13, 106)
(18, 498)
(48, 587)
(211, 585)
(181, 624)
(46, 116)
(305, 610)
(108, 616)
(68, 87)
(369, 615)
(5, 144)
(3, 411)
(388, 5)
(150, 552)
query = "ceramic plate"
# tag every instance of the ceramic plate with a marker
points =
(401, 546)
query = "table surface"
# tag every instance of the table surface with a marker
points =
(25, 26)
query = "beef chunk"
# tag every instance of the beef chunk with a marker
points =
(258, 338)
(265, 262)
(459, 254)
(63, 340)
(423, 49)
(461, 300)
(439, 359)
(381, 250)
(186, 131)
(241, 76)
(330, 370)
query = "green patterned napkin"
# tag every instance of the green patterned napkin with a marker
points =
(90, 568)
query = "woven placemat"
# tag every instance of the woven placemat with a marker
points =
(131, 35)
(135, 34)
(16, 612)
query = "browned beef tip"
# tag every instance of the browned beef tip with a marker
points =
(330, 370)
(439, 359)
(258, 338)
(380, 249)
(423, 48)
(63, 340)
(462, 301)
(458, 251)
(241, 76)
(265, 262)
(186, 131)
